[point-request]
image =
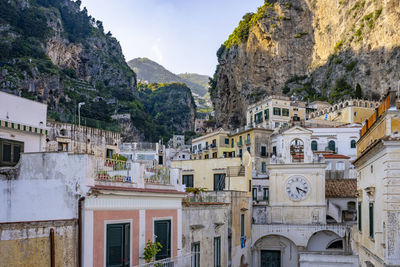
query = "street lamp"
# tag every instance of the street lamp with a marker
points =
(79, 112)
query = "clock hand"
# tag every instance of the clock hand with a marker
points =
(297, 190)
(301, 189)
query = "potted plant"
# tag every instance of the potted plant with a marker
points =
(151, 250)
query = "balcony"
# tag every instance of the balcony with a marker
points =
(182, 260)
(157, 175)
(247, 141)
(239, 143)
(213, 146)
(111, 170)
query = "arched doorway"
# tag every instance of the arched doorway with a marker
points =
(275, 250)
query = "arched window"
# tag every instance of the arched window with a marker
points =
(353, 144)
(340, 166)
(351, 205)
(314, 145)
(338, 244)
(331, 145)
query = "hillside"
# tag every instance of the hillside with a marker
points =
(313, 49)
(152, 72)
(52, 51)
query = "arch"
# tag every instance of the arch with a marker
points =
(371, 105)
(336, 107)
(346, 104)
(355, 103)
(335, 245)
(330, 109)
(341, 105)
(326, 110)
(287, 248)
(320, 241)
(353, 143)
(297, 150)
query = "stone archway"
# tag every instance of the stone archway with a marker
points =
(281, 246)
(321, 241)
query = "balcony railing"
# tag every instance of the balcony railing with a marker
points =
(247, 141)
(157, 175)
(239, 143)
(204, 198)
(111, 170)
(179, 261)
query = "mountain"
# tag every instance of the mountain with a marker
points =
(53, 52)
(312, 49)
(150, 71)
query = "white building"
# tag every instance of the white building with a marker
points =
(150, 154)
(22, 127)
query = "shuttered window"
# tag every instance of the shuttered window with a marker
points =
(242, 232)
(187, 180)
(196, 254)
(118, 245)
(162, 233)
(219, 181)
(217, 251)
(359, 217)
(371, 220)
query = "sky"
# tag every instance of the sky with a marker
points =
(181, 35)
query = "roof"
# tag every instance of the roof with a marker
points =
(340, 188)
(135, 189)
(335, 156)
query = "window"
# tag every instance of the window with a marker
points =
(266, 114)
(219, 181)
(248, 149)
(214, 155)
(371, 219)
(242, 232)
(187, 180)
(314, 145)
(353, 144)
(206, 156)
(340, 166)
(359, 217)
(162, 234)
(254, 193)
(217, 251)
(277, 124)
(331, 145)
(329, 166)
(277, 111)
(274, 150)
(63, 147)
(263, 167)
(263, 151)
(248, 137)
(109, 153)
(258, 117)
(285, 112)
(240, 153)
(118, 245)
(266, 193)
(214, 142)
(199, 147)
(10, 152)
(232, 143)
(372, 168)
(183, 156)
(196, 254)
(226, 141)
(249, 185)
(206, 145)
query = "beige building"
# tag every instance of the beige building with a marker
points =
(213, 145)
(378, 183)
(73, 138)
(349, 111)
(220, 218)
(274, 112)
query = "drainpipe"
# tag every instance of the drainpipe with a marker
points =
(52, 253)
(80, 231)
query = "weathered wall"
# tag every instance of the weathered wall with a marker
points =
(28, 244)
(44, 186)
(317, 260)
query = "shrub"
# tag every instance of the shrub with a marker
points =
(151, 250)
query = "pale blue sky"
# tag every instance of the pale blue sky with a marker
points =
(181, 35)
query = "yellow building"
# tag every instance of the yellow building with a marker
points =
(274, 112)
(213, 145)
(377, 235)
(349, 111)
(256, 142)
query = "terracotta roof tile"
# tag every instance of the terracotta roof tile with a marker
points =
(340, 188)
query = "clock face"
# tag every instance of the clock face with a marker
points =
(297, 188)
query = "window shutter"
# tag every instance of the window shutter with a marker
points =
(114, 245)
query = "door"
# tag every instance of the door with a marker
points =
(270, 258)
(118, 245)
(162, 233)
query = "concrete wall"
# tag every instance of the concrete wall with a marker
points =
(33, 142)
(82, 139)
(44, 186)
(28, 244)
(21, 110)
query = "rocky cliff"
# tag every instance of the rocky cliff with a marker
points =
(52, 51)
(312, 49)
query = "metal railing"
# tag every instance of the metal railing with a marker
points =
(184, 260)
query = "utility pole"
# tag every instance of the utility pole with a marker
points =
(79, 112)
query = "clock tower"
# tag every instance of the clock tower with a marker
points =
(297, 180)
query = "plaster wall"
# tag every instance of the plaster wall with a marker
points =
(33, 142)
(28, 244)
(44, 186)
(22, 110)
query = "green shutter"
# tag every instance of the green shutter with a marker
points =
(242, 232)
(359, 217)
(371, 220)
(118, 245)
(162, 233)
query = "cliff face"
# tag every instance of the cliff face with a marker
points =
(52, 51)
(313, 49)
